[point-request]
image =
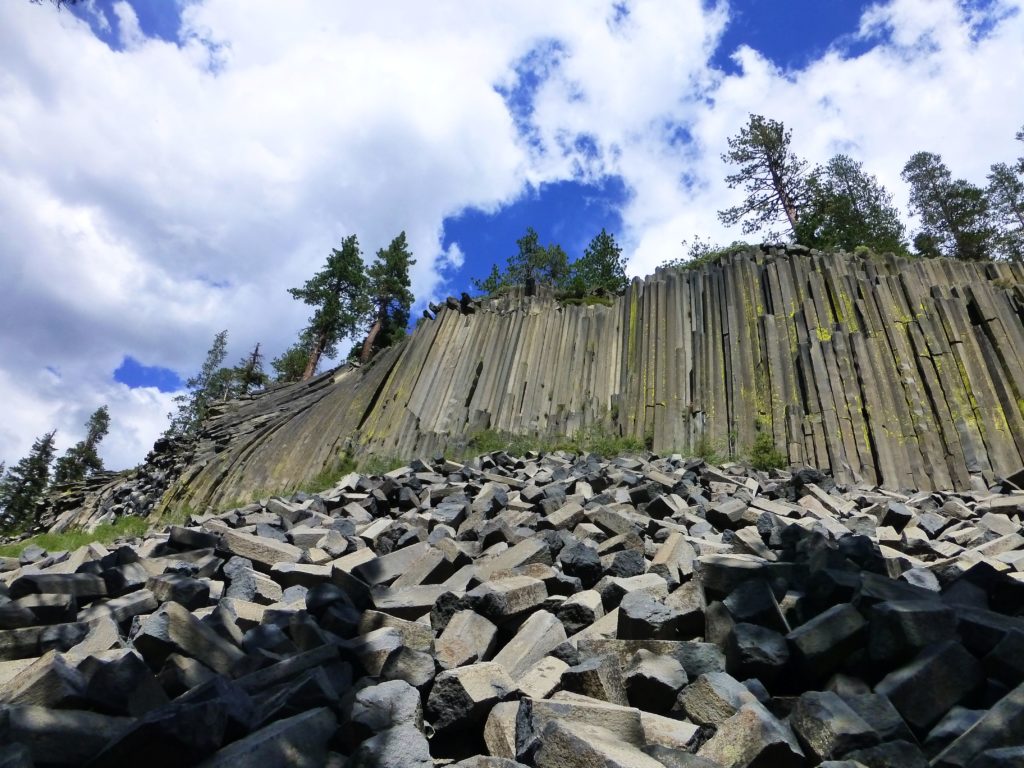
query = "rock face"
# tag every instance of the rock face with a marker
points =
(822, 636)
(903, 374)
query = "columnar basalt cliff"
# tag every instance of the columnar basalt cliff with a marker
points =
(905, 374)
(902, 374)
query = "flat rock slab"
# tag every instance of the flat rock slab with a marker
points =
(297, 741)
(753, 736)
(172, 629)
(462, 697)
(260, 549)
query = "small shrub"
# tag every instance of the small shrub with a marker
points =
(177, 516)
(704, 449)
(764, 455)
(375, 465)
(331, 474)
(587, 301)
(488, 441)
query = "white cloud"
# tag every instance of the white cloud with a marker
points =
(152, 196)
(129, 32)
(454, 256)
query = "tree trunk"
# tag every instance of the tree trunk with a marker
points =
(788, 205)
(314, 357)
(370, 338)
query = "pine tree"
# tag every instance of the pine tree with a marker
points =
(392, 298)
(82, 459)
(954, 213)
(602, 266)
(494, 282)
(24, 484)
(291, 364)
(249, 375)
(770, 173)
(542, 264)
(532, 262)
(1006, 197)
(338, 292)
(211, 384)
(847, 207)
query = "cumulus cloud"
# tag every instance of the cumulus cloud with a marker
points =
(154, 194)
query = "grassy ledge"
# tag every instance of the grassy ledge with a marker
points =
(108, 533)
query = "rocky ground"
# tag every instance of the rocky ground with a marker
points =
(545, 611)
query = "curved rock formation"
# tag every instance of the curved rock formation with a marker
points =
(905, 374)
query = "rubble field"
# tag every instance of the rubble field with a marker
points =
(547, 610)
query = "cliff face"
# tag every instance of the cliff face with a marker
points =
(902, 374)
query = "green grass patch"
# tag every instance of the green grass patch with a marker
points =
(124, 527)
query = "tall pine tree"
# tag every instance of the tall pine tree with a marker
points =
(210, 385)
(532, 263)
(249, 375)
(23, 485)
(953, 212)
(846, 207)
(1006, 197)
(602, 266)
(769, 172)
(82, 459)
(388, 279)
(291, 364)
(539, 263)
(338, 292)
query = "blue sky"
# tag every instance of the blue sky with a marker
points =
(169, 167)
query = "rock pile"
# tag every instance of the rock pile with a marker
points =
(106, 496)
(543, 611)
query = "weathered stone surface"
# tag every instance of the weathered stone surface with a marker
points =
(536, 638)
(596, 678)
(83, 586)
(47, 682)
(827, 727)
(62, 737)
(261, 550)
(300, 740)
(713, 698)
(172, 629)
(924, 690)
(653, 681)
(468, 638)
(641, 617)
(755, 651)
(505, 598)
(899, 629)
(578, 745)
(387, 705)
(401, 747)
(462, 697)
(821, 645)
(465, 565)
(753, 736)
(580, 611)
(1001, 726)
